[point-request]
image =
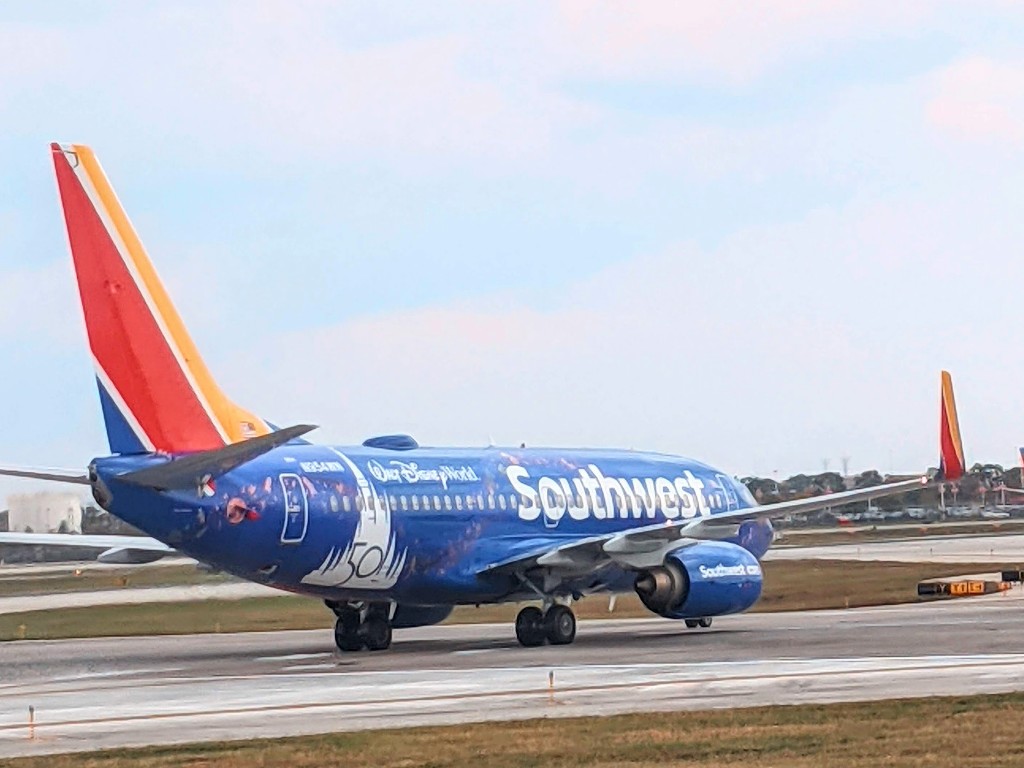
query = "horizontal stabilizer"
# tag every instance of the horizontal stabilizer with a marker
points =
(189, 470)
(109, 542)
(54, 475)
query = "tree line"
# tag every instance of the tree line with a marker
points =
(981, 484)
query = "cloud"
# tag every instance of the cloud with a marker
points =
(759, 288)
(728, 41)
(725, 354)
(262, 87)
(40, 303)
(979, 99)
(30, 48)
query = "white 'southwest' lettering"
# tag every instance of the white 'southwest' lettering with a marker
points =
(592, 494)
(720, 570)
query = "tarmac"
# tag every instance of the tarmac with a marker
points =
(118, 692)
(92, 694)
(1002, 550)
(963, 548)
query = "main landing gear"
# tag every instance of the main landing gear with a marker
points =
(358, 627)
(704, 623)
(557, 626)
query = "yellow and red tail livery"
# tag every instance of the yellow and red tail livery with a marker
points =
(156, 392)
(951, 448)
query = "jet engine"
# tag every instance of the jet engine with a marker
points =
(710, 578)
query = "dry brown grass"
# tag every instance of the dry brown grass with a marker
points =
(789, 585)
(968, 732)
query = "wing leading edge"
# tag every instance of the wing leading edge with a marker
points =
(647, 546)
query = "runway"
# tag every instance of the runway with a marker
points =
(90, 694)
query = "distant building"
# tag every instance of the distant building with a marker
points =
(44, 512)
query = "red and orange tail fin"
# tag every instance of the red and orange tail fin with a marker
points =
(951, 448)
(156, 392)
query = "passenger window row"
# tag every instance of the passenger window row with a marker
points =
(436, 502)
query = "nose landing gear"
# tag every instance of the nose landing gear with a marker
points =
(358, 627)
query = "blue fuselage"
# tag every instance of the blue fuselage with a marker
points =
(421, 526)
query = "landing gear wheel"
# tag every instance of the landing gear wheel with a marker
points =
(692, 623)
(376, 632)
(346, 633)
(705, 622)
(530, 630)
(560, 625)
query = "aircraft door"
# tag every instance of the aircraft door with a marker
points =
(296, 509)
(731, 501)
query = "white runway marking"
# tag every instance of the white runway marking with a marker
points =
(213, 707)
(293, 657)
(309, 667)
(244, 686)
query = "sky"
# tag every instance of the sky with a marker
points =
(750, 233)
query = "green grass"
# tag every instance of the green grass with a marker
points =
(962, 732)
(89, 578)
(789, 585)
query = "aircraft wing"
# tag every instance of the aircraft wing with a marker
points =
(814, 503)
(117, 549)
(647, 546)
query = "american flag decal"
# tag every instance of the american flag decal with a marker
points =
(207, 487)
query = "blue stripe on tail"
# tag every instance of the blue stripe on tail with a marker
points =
(122, 438)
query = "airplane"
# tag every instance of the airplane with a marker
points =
(387, 533)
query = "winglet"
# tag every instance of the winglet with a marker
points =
(951, 448)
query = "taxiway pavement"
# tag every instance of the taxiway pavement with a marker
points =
(964, 548)
(91, 694)
(1002, 550)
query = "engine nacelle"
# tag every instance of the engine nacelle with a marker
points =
(711, 578)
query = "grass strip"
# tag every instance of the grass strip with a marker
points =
(965, 732)
(88, 578)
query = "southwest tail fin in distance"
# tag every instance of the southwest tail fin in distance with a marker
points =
(155, 390)
(951, 448)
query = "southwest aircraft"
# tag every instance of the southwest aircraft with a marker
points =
(387, 533)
